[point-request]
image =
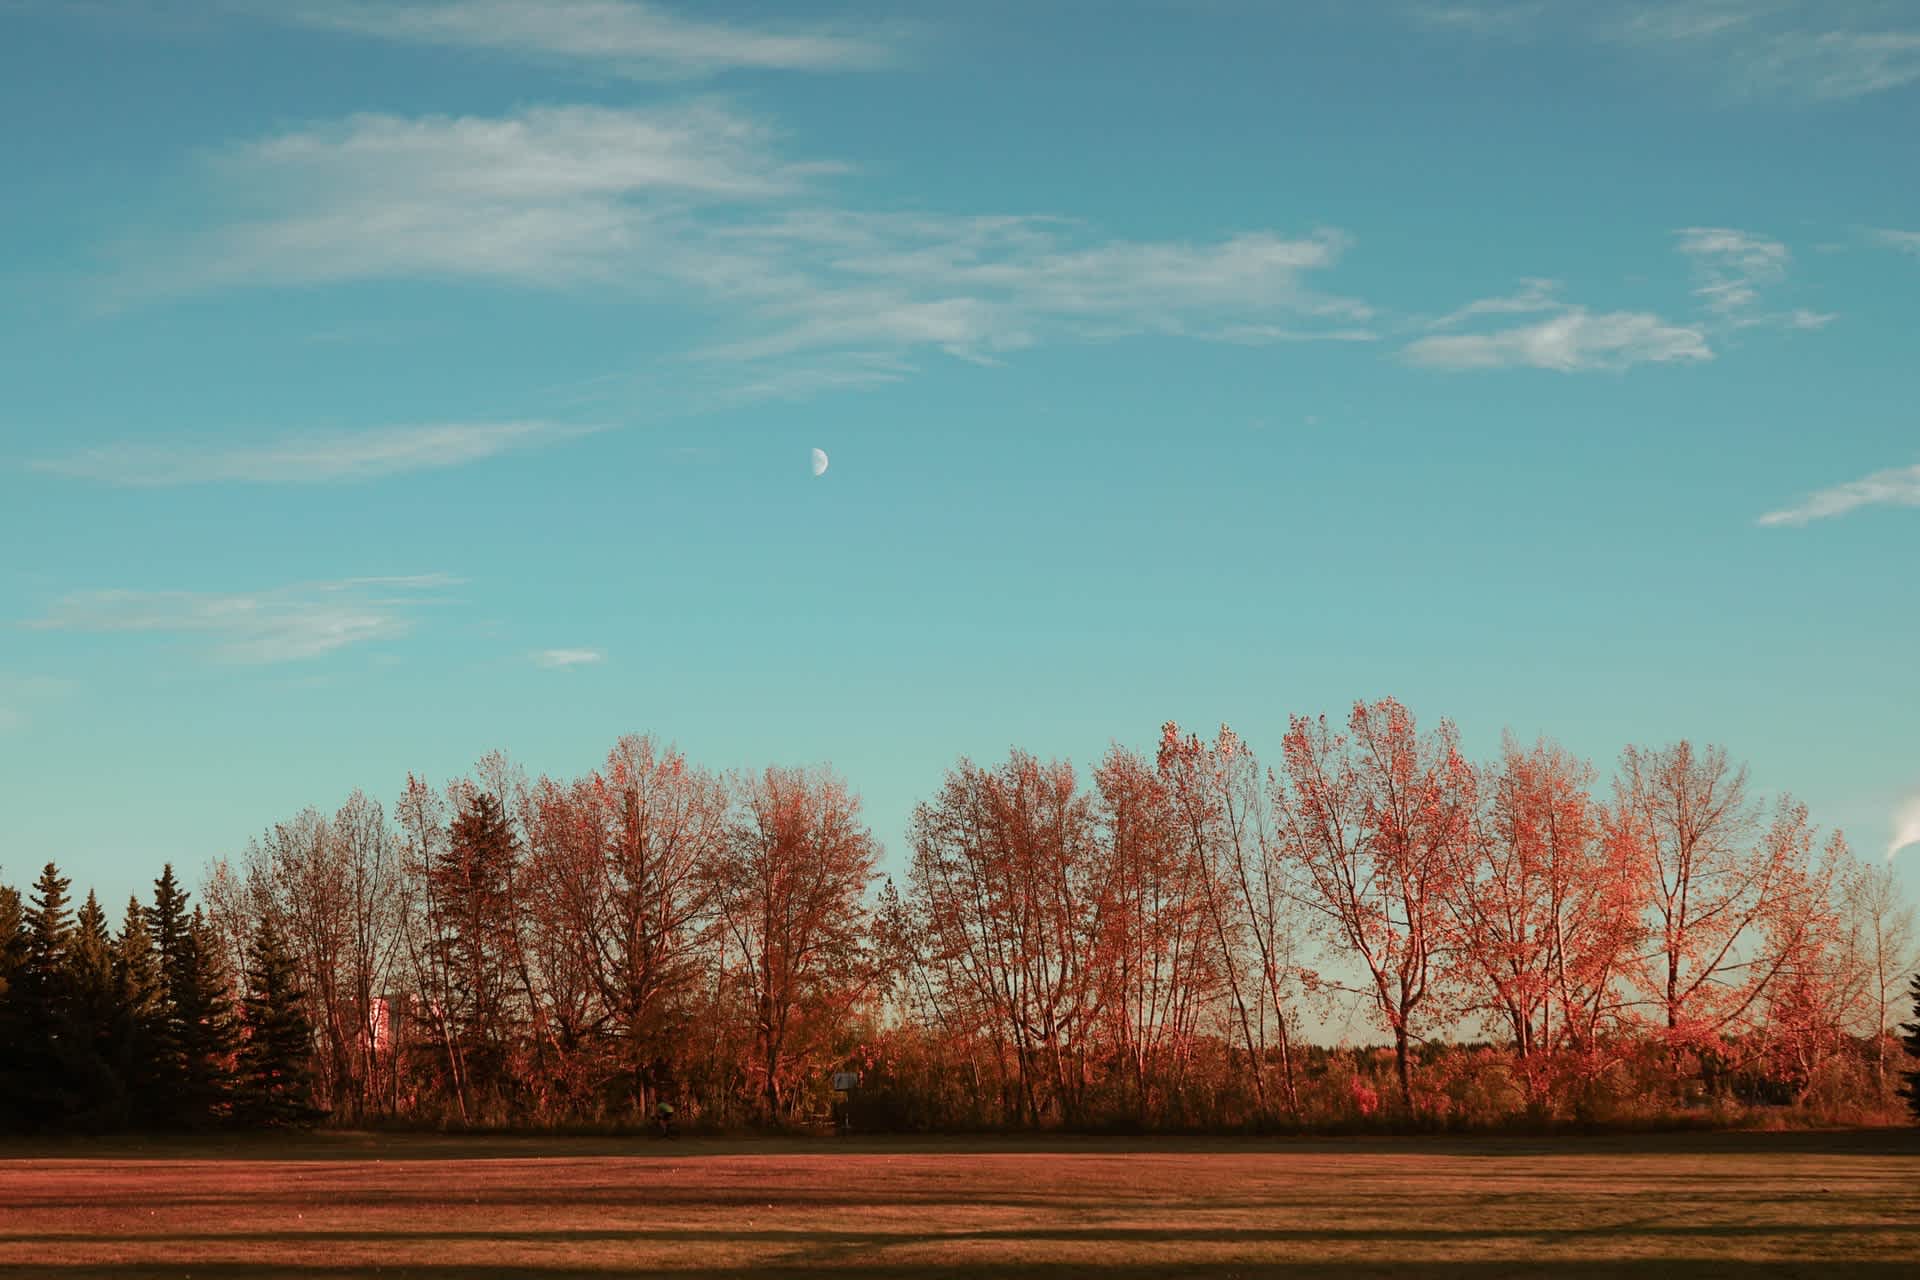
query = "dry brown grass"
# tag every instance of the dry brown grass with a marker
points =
(330, 1205)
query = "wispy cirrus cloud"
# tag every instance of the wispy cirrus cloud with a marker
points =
(548, 197)
(1735, 269)
(978, 287)
(629, 38)
(846, 371)
(315, 459)
(1570, 340)
(1536, 294)
(694, 204)
(560, 659)
(284, 624)
(1894, 487)
(1482, 17)
(1906, 825)
(1901, 241)
(1817, 50)
(1837, 64)
(1735, 265)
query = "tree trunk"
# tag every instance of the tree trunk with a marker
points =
(1286, 1066)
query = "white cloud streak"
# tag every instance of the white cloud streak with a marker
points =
(692, 204)
(1901, 241)
(1535, 295)
(1733, 268)
(1499, 17)
(1678, 20)
(1736, 269)
(1895, 487)
(560, 659)
(1734, 265)
(978, 287)
(287, 624)
(1837, 65)
(546, 197)
(318, 459)
(1817, 50)
(1906, 825)
(1573, 341)
(637, 40)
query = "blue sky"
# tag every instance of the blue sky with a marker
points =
(384, 383)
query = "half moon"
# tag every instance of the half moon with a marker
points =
(819, 462)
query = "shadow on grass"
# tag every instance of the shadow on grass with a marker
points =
(857, 1240)
(345, 1145)
(1591, 1270)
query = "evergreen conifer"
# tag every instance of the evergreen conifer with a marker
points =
(1912, 1041)
(134, 1033)
(274, 1084)
(202, 1017)
(13, 1035)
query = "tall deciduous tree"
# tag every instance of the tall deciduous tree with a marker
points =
(1157, 960)
(334, 887)
(791, 889)
(1730, 893)
(619, 884)
(1375, 820)
(1545, 905)
(1001, 881)
(375, 907)
(1815, 987)
(1882, 936)
(1216, 794)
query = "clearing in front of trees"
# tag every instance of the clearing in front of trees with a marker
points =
(1746, 1204)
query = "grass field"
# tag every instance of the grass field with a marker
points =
(332, 1205)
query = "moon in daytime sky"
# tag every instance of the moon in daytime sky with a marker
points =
(819, 462)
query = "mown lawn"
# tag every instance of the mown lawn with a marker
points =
(332, 1205)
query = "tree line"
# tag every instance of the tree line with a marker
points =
(140, 1028)
(1169, 942)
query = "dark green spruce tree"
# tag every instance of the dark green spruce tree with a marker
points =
(90, 965)
(13, 1038)
(1912, 1042)
(135, 1031)
(13, 937)
(163, 1102)
(472, 879)
(48, 1055)
(101, 1094)
(203, 1006)
(273, 1086)
(44, 976)
(192, 1025)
